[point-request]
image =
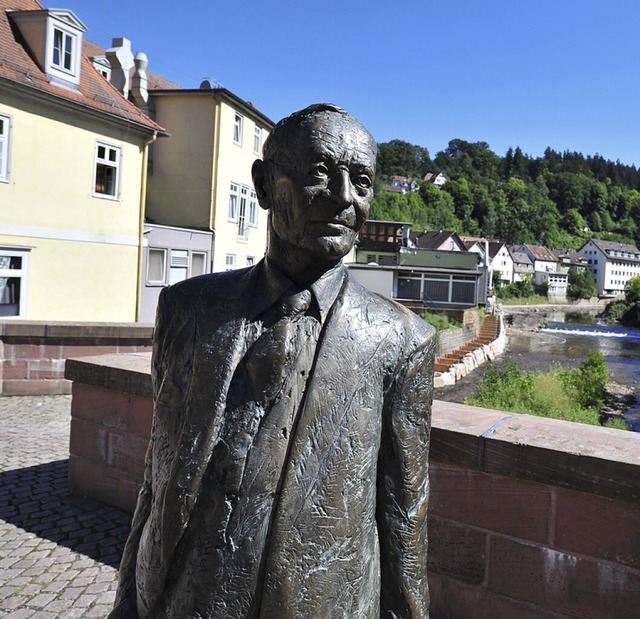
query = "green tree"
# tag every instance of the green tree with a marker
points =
(632, 290)
(398, 157)
(581, 284)
(409, 207)
(440, 208)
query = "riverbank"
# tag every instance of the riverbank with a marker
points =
(534, 350)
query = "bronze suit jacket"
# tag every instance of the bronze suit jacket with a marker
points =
(348, 536)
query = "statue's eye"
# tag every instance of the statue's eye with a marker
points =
(319, 170)
(362, 180)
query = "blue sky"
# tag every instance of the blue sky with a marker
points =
(559, 73)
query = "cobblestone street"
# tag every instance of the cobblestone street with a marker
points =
(58, 552)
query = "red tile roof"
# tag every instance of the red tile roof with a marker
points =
(95, 93)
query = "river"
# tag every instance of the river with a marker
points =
(565, 340)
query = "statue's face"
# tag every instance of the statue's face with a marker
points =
(321, 200)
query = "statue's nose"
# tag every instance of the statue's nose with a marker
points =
(340, 188)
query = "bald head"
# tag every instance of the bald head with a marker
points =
(283, 144)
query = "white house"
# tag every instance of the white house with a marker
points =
(612, 264)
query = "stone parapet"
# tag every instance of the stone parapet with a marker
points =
(33, 353)
(529, 517)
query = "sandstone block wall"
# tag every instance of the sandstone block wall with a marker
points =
(33, 354)
(529, 517)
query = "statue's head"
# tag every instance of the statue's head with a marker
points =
(316, 180)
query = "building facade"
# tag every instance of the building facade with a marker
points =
(73, 160)
(612, 265)
(201, 176)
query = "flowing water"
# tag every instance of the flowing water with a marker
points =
(567, 339)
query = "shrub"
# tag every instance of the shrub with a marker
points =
(632, 290)
(575, 394)
(581, 284)
(441, 322)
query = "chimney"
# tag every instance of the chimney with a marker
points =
(121, 60)
(139, 92)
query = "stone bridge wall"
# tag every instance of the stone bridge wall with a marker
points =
(33, 353)
(529, 517)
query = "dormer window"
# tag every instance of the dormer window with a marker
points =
(54, 37)
(103, 66)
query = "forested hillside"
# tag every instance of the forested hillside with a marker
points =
(557, 200)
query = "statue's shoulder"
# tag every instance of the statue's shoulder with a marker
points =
(382, 309)
(210, 286)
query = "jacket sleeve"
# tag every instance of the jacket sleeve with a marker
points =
(403, 484)
(126, 597)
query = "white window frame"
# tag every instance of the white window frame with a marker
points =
(5, 147)
(251, 260)
(179, 262)
(22, 273)
(59, 71)
(65, 51)
(252, 215)
(107, 162)
(229, 262)
(257, 140)
(234, 200)
(238, 128)
(243, 228)
(162, 281)
(204, 263)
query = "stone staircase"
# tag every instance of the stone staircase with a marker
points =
(489, 331)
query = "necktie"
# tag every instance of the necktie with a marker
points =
(272, 355)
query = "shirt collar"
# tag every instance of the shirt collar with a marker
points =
(273, 284)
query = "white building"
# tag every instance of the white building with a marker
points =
(612, 264)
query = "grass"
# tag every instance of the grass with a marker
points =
(568, 394)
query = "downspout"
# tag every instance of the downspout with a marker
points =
(143, 198)
(214, 172)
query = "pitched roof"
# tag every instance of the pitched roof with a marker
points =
(570, 255)
(434, 239)
(18, 67)
(540, 252)
(609, 246)
(495, 247)
(519, 257)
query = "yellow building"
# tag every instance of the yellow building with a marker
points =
(201, 177)
(73, 161)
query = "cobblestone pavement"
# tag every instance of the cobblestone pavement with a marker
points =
(58, 552)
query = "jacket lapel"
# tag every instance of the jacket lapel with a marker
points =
(219, 346)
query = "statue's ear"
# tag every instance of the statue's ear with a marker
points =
(259, 174)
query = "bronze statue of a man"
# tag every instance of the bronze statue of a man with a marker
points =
(287, 471)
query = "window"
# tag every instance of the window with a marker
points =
(237, 129)
(182, 264)
(243, 208)
(63, 44)
(233, 202)
(156, 266)
(179, 266)
(253, 209)
(243, 232)
(257, 140)
(250, 261)
(230, 262)
(198, 263)
(13, 283)
(107, 170)
(5, 125)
